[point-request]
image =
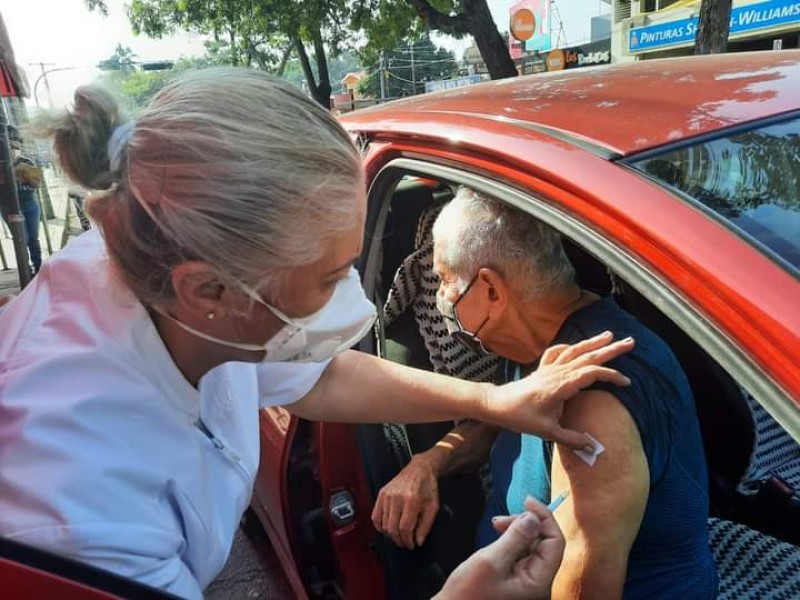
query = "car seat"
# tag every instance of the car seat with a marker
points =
(417, 335)
(725, 421)
(753, 463)
(769, 491)
(752, 565)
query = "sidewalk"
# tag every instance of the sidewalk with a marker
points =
(9, 282)
(57, 185)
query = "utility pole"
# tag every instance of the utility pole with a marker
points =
(382, 77)
(46, 82)
(413, 72)
(9, 201)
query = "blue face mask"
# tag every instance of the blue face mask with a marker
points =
(454, 327)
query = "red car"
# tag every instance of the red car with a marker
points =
(676, 185)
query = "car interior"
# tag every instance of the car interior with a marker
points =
(754, 465)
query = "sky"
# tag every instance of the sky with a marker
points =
(70, 40)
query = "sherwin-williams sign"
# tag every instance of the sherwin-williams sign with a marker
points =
(752, 17)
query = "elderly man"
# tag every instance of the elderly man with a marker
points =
(635, 522)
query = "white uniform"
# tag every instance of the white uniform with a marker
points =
(101, 457)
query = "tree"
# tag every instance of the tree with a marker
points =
(386, 22)
(713, 28)
(134, 89)
(135, 86)
(255, 32)
(239, 28)
(123, 59)
(406, 72)
(324, 25)
(98, 5)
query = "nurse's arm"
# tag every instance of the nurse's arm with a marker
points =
(604, 511)
(359, 388)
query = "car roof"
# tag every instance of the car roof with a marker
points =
(623, 108)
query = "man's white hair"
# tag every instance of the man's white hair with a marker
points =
(474, 231)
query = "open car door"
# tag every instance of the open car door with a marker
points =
(27, 572)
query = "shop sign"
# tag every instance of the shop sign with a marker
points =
(523, 24)
(581, 59)
(556, 60)
(530, 23)
(449, 84)
(579, 56)
(751, 17)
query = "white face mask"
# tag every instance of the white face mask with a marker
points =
(334, 328)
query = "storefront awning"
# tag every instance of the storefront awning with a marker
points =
(12, 81)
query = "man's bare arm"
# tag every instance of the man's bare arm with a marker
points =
(407, 506)
(464, 450)
(607, 502)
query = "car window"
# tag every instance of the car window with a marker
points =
(751, 179)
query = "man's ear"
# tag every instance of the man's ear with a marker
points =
(495, 288)
(199, 290)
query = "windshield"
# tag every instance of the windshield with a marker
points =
(751, 179)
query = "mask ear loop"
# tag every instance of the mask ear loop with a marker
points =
(143, 202)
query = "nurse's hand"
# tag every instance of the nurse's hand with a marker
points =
(521, 564)
(534, 404)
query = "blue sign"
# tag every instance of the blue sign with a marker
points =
(449, 84)
(743, 18)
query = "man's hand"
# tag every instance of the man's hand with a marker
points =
(408, 504)
(563, 372)
(518, 566)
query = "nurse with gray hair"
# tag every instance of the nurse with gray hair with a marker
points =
(220, 279)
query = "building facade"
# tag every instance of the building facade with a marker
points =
(643, 29)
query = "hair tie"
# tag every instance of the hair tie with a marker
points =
(119, 139)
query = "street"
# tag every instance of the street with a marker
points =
(253, 571)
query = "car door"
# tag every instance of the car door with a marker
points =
(681, 285)
(311, 497)
(27, 572)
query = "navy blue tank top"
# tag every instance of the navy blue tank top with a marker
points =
(670, 557)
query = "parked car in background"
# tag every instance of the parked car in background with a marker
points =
(676, 187)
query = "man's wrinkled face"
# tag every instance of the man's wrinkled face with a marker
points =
(463, 312)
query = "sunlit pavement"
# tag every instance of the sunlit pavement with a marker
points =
(252, 571)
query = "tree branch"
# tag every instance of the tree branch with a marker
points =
(450, 24)
(306, 64)
(322, 60)
(284, 59)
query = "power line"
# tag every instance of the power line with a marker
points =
(422, 62)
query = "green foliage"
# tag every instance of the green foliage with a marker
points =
(387, 23)
(98, 5)
(338, 67)
(123, 59)
(254, 32)
(135, 88)
(430, 63)
(241, 28)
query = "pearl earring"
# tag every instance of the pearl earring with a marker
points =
(210, 316)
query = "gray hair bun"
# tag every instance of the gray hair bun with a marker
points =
(81, 136)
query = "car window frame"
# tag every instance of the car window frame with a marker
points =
(628, 163)
(678, 308)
